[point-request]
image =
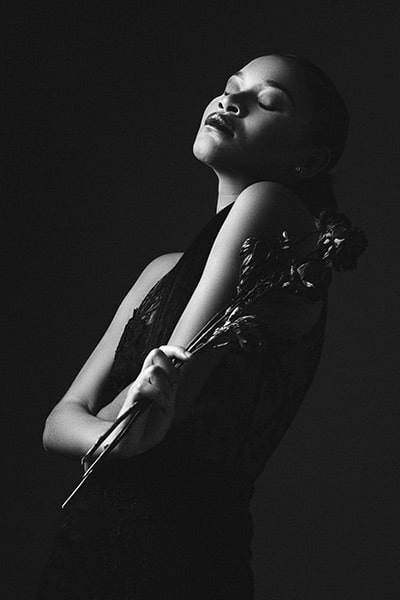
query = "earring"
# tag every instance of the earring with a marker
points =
(298, 169)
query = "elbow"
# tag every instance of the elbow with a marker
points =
(45, 443)
(46, 436)
(51, 431)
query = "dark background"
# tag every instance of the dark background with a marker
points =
(101, 106)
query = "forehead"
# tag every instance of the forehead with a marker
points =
(284, 71)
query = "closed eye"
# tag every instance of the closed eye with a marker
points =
(265, 106)
(268, 107)
(273, 100)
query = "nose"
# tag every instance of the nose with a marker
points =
(232, 103)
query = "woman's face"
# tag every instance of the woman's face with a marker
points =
(258, 127)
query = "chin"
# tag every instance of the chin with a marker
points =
(204, 151)
(210, 151)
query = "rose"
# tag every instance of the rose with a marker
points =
(345, 257)
(314, 276)
(339, 243)
(328, 221)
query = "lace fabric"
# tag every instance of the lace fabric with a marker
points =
(169, 523)
(250, 399)
(174, 522)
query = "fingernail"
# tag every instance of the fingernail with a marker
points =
(187, 353)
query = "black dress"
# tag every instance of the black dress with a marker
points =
(174, 522)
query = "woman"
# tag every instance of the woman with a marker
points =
(167, 516)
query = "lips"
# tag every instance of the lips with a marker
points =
(220, 121)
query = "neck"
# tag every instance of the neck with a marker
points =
(229, 189)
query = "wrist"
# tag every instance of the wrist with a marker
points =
(99, 445)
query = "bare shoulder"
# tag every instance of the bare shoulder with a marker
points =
(274, 205)
(263, 210)
(271, 191)
(154, 271)
(160, 266)
(269, 208)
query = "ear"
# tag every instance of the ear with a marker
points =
(315, 161)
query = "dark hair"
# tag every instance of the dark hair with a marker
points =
(329, 127)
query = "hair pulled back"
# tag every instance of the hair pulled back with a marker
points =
(329, 127)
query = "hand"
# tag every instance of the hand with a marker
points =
(157, 381)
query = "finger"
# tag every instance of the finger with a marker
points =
(155, 356)
(162, 362)
(172, 352)
(177, 355)
(152, 385)
(157, 376)
(158, 386)
(160, 358)
(177, 352)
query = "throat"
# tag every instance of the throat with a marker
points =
(229, 189)
(225, 199)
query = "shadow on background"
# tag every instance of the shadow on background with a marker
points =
(102, 106)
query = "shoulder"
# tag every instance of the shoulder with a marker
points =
(151, 274)
(277, 208)
(272, 205)
(270, 193)
(157, 268)
(160, 266)
(263, 210)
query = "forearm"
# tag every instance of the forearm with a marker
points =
(71, 430)
(110, 411)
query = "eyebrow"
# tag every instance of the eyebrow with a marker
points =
(271, 83)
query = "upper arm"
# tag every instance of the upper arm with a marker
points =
(263, 210)
(90, 381)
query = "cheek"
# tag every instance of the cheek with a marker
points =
(276, 134)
